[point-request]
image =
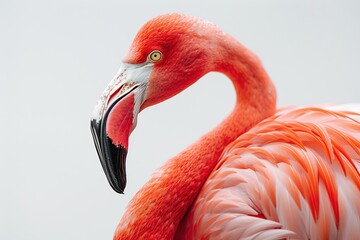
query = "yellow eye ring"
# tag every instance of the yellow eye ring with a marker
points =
(155, 56)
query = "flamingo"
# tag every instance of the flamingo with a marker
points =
(263, 173)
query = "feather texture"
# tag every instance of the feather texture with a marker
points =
(294, 175)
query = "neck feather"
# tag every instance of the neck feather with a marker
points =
(157, 209)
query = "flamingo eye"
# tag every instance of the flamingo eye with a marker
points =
(155, 56)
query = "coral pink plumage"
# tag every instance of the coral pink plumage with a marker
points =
(295, 174)
(260, 174)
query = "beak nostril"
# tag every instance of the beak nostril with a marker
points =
(126, 87)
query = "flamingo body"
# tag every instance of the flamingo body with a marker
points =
(294, 175)
(261, 173)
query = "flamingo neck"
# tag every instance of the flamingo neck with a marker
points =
(158, 208)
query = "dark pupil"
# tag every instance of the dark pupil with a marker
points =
(155, 55)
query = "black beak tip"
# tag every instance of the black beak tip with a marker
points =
(118, 189)
(115, 169)
(112, 157)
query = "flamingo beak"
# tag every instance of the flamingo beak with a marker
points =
(114, 118)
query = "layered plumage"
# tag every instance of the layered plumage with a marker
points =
(260, 174)
(294, 175)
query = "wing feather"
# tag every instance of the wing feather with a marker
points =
(294, 175)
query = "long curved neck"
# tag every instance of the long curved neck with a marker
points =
(157, 209)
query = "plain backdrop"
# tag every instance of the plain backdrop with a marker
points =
(56, 57)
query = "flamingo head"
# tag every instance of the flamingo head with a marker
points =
(168, 54)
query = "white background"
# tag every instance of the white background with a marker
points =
(57, 57)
